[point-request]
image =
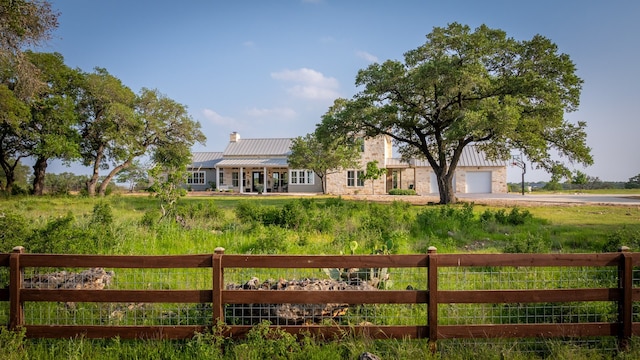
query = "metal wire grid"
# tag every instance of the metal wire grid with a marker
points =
(636, 283)
(120, 279)
(77, 313)
(330, 314)
(526, 278)
(54, 313)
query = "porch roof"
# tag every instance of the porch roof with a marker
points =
(264, 162)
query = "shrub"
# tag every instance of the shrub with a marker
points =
(402, 192)
(528, 243)
(102, 214)
(263, 342)
(200, 210)
(12, 344)
(622, 237)
(14, 229)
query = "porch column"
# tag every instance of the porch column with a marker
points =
(241, 184)
(217, 179)
(265, 181)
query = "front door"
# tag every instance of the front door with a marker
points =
(257, 185)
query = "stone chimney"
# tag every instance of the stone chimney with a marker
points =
(234, 137)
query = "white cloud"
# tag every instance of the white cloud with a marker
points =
(309, 84)
(369, 57)
(249, 44)
(283, 113)
(218, 119)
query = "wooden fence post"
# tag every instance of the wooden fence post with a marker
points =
(432, 306)
(218, 284)
(16, 274)
(625, 304)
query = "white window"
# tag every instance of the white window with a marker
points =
(221, 177)
(355, 178)
(235, 176)
(196, 178)
(299, 177)
(351, 178)
(360, 176)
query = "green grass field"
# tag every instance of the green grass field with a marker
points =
(307, 225)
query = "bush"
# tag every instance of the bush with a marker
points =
(12, 344)
(102, 214)
(14, 230)
(622, 237)
(402, 192)
(200, 210)
(528, 243)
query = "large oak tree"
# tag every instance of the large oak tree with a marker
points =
(463, 87)
(51, 130)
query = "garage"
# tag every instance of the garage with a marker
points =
(478, 182)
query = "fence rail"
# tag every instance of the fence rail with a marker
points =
(449, 295)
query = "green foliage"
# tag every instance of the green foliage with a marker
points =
(102, 214)
(14, 229)
(268, 240)
(322, 154)
(528, 243)
(633, 183)
(167, 187)
(526, 87)
(552, 186)
(622, 237)
(515, 217)
(402, 192)
(264, 342)
(200, 210)
(12, 344)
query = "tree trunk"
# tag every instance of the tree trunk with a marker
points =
(11, 179)
(322, 182)
(102, 190)
(446, 190)
(9, 172)
(39, 172)
(93, 180)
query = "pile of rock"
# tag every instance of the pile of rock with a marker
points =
(91, 279)
(291, 314)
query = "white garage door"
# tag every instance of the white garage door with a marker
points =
(479, 182)
(434, 183)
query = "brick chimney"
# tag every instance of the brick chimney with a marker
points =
(234, 137)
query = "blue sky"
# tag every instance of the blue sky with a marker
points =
(271, 68)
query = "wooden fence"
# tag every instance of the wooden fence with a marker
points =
(219, 296)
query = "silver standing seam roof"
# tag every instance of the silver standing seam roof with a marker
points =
(471, 157)
(274, 153)
(205, 160)
(266, 148)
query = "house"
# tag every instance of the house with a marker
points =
(260, 165)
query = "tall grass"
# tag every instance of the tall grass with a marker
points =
(285, 225)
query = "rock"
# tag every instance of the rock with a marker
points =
(292, 314)
(368, 356)
(91, 279)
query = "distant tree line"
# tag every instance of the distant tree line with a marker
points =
(579, 181)
(50, 111)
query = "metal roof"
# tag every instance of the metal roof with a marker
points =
(270, 162)
(207, 160)
(471, 157)
(259, 147)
